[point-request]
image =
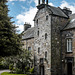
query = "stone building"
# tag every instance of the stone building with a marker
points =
(28, 40)
(52, 40)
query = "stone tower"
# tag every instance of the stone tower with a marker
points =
(48, 22)
(42, 40)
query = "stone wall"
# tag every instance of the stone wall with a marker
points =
(43, 26)
(29, 43)
(57, 24)
(68, 34)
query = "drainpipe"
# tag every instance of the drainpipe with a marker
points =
(61, 51)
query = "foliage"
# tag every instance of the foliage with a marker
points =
(10, 42)
(11, 67)
(23, 61)
(19, 71)
(32, 70)
(3, 64)
(7, 73)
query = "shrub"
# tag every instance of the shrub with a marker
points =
(32, 70)
(18, 71)
(11, 67)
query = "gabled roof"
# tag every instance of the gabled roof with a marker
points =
(71, 24)
(53, 10)
(57, 11)
(28, 34)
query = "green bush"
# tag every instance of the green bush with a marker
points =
(18, 71)
(32, 70)
(11, 67)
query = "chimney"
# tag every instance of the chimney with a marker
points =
(38, 2)
(67, 11)
(26, 26)
(43, 1)
(47, 2)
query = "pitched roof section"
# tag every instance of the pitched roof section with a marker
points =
(28, 34)
(57, 11)
(53, 10)
(71, 24)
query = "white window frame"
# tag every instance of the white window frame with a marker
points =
(69, 45)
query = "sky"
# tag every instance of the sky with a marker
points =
(25, 10)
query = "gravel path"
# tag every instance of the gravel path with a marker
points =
(1, 71)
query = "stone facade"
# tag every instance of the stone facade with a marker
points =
(52, 27)
(44, 27)
(68, 55)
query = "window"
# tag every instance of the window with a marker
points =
(46, 55)
(69, 45)
(41, 60)
(38, 33)
(29, 48)
(39, 50)
(45, 35)
(37, 21)
(47, 17)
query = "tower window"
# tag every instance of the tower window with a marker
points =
(37, 21)
(39, 50)
(45, 35)
(69, 45)
(38, 33)
(29, 48)
(46, 54)
(47, 17)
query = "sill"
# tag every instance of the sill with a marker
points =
(69, 52)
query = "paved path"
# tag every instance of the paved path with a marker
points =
(1, 71)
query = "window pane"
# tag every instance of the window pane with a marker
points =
(29, 48)
(69, 45)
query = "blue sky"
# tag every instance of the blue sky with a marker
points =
(24, 10)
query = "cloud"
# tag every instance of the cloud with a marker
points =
(27, 16)
(66, 4)
(51, 4)
(20, 28)
(12, 3)
(16, 0)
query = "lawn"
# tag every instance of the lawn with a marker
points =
(7, 73)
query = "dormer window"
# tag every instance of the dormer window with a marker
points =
(47, 17)
(69, 45)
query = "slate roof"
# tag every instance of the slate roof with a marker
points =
(71, 24)
(28, 34)
(57, 11)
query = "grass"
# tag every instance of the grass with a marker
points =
(7, 73)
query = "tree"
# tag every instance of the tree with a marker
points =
(23, 60)
(10, 42)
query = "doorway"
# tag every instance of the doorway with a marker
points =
(69, 68)
(42, 70)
